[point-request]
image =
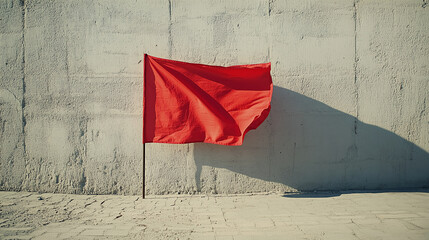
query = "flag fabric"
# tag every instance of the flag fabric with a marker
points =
(188, 102)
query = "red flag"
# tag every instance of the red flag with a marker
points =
(188, 102)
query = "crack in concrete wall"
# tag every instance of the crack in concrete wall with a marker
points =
(24, 14)
(170, 36)
(356, 60)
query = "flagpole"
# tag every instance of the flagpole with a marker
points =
(144, 145)
(144, 167)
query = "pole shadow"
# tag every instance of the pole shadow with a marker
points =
(307, 145)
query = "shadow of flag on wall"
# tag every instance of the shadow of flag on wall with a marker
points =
(188, 102)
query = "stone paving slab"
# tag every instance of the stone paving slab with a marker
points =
(339, 215)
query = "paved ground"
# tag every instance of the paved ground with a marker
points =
(343, 215)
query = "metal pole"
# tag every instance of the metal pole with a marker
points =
(143, 115)
(144, 167)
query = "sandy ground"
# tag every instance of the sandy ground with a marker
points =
(342, 215)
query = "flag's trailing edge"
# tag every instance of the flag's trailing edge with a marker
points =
(188, 102)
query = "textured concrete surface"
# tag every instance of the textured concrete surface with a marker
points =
(349, 109)
(329, 215)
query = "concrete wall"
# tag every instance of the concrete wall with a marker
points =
(349, 109)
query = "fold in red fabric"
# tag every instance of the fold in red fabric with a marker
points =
(188, 102)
